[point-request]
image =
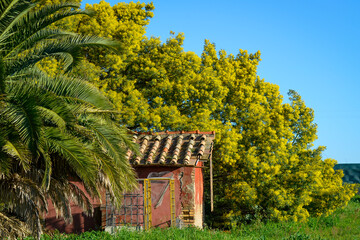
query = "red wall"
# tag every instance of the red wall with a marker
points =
(188, 195)
(80, 223)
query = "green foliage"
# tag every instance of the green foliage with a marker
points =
(171, 233)
(342, 224)
(265, 165)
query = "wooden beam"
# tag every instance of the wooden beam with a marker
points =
(211, 181)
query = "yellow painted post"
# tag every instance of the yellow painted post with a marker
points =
(147, 204)
(146, 222)
(172, 203)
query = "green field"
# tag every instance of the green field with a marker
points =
(343, 224)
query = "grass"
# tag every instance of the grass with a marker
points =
(342, 224)
(156, 233)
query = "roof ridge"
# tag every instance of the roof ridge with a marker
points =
(174, 132)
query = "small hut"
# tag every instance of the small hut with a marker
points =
(170, 193)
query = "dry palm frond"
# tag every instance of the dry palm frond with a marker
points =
(23, 199)
(12, 227)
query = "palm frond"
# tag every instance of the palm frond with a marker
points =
(79, 197)
(112, 177)
(114, 139)
(22, 44)
(25, 27)
(5, 160)
(24, 117)
(5, 164)
(12, 227)
(68, 48)
(23, 199)
(50, 106)
(52, 116)
(75, 90)
(18, 152)
(47, 170)
(58, 193)
(12, 11)
(76, 154)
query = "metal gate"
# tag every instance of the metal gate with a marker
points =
(136, 209)
(131, 212)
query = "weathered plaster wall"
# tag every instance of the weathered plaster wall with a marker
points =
(80, 222)
(188, 201)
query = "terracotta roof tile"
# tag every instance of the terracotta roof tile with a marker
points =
(172, 148)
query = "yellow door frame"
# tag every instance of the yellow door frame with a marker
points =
(147, 201)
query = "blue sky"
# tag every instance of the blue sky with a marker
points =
(312, 47)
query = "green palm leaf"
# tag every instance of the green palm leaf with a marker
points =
(18, 152)
(24, 118)
(76, 154)
(68, 49)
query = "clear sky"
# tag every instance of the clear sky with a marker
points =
(311, 46)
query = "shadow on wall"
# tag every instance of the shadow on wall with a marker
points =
(81, 222)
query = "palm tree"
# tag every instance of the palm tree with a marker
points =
(52, 129)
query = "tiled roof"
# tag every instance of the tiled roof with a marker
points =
(172, 148)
